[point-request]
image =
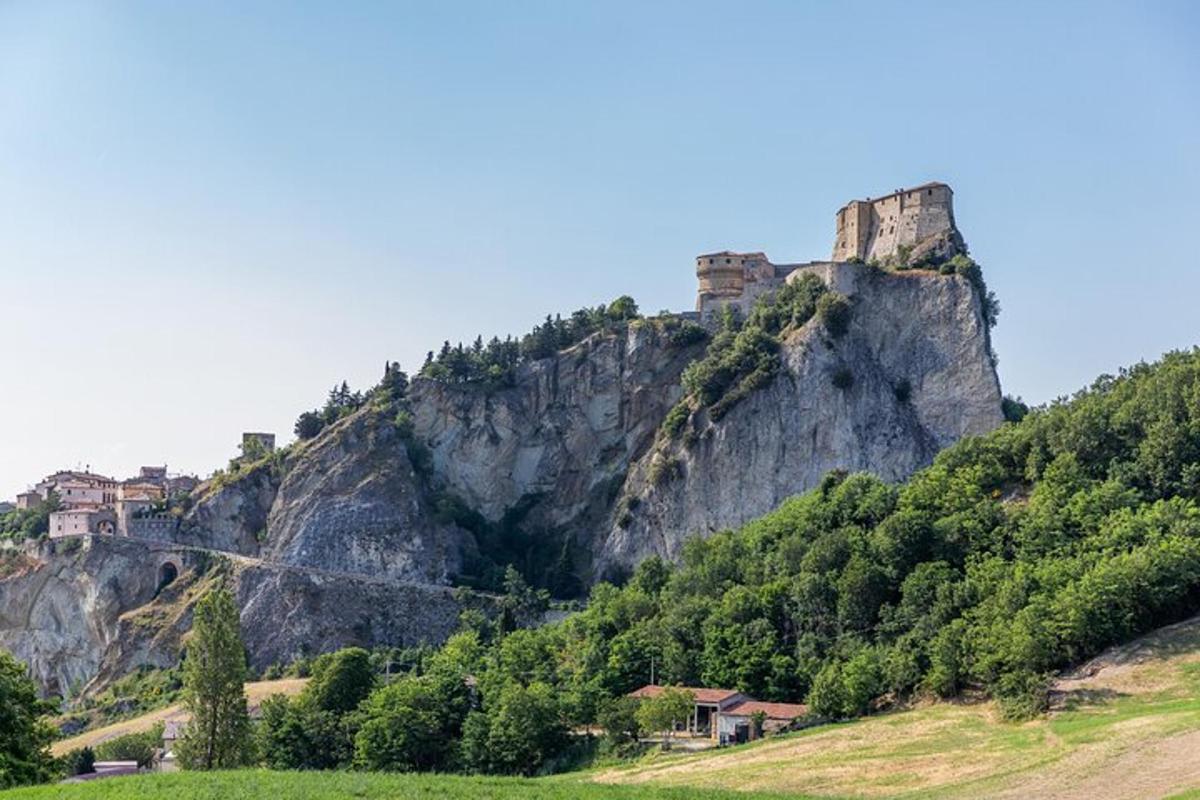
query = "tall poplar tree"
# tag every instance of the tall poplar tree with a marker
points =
(24, 735)
(218, 735)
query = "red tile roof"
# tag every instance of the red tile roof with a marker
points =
(772, 710)
(701, 694)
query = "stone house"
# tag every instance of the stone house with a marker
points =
(79, 521)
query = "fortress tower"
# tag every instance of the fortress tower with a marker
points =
(909, 227)
(914, 225)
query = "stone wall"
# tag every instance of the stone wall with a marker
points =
(875, 230)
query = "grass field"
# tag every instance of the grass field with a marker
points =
(255, 784)
(256, 692)
(1127, 725)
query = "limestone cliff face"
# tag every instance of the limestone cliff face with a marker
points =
(559, 441)
(60, 608)
(916, 355)
(340, 542)
(350, 502)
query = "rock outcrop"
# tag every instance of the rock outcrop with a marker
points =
(343, 541)
(916, 359)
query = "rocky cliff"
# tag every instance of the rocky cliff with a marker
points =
(344, 539)
(916, 375)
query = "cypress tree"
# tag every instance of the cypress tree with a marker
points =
(218, 735)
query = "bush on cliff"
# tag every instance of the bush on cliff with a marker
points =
(744, 357)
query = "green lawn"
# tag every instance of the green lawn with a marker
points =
(257, 784)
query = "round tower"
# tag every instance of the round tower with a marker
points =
(721, 276)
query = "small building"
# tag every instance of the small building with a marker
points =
(737, 723)
(709, 703)
(172, 730)
(258, 442)
(80, 521)
(728, 715)
(156, 475)
(28, 500)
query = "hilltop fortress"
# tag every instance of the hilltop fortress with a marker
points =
(907, 228)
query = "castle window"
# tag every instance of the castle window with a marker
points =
(727, 261)
(929, 192)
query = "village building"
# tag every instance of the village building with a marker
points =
(80, 521)
(28, 500)
(92, 504)
(727, 715)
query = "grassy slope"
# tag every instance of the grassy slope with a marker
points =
(1127, 725)
(248, 784)
(256, 692)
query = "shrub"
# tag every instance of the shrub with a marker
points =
(842, 378)
(686, 334)
(1023, 695)
(902, 390)
(665, 469)
(676, 418)
(1013, 408)
(139, 747)
(79, 761)
(833, 309)
(744, 357)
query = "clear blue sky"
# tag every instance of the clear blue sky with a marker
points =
(211, 212)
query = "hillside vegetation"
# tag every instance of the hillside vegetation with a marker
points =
(1014, 554)
(1126, 724)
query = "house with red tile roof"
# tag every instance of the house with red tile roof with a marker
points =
(727, 715)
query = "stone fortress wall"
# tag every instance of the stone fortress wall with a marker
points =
(917, 222)
(875, 230)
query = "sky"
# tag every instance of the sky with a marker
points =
(212, 212)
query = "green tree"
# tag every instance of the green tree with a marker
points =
(294, 734)
(833, 310)
(24, 735)
(659, 714)
(518, 733)
(340, 681)
(308, 425)
(406, 727)
(618, 717)
(218, 734)
(623, 308)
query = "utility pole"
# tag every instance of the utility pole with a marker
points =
(652, 683)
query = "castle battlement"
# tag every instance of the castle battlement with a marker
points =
(908, 226)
